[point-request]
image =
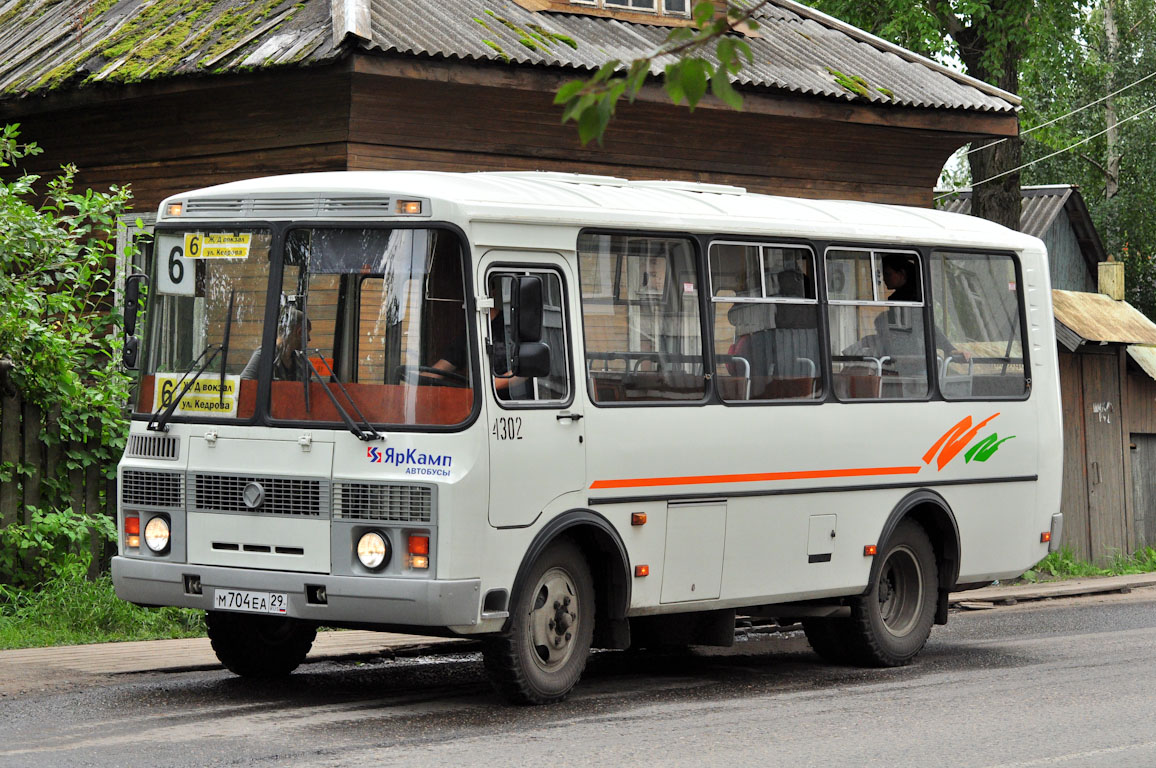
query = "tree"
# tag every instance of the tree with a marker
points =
(996, 40)
(1105, 93)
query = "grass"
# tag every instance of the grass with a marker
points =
(77, 611)
(1062, 564)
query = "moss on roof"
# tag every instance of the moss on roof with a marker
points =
(133, 40)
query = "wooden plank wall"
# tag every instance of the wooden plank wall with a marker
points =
(43, 465)
(203, 132)
(399, 123)
(1097, 499)
(1074, 498)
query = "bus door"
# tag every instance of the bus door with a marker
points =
(537, 450)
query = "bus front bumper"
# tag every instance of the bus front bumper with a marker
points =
(357, 599)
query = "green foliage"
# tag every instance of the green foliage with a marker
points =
(701, 58)
(64, 343)
(1126, 221)
(55, 543)
(1063, 564)
(70, 611)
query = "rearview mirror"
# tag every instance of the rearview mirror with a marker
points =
(132, 301)
(526, 308)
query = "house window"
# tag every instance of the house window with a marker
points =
(667, 7)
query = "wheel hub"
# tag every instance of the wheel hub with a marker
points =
(553, 619)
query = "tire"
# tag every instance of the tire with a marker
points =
(541, 655)
(890, 624)
(259, 646)
(828, 638)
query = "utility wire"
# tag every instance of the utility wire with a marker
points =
(1085, 140)
(1075, 111)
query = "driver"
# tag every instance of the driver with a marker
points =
(285, 361)
(454, 360)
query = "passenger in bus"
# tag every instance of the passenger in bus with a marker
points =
(289, 343)
(901, 275)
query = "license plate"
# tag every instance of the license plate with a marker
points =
(253, 602)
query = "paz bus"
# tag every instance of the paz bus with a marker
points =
(562, 412)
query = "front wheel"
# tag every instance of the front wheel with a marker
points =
(259, 646)
(542, 654)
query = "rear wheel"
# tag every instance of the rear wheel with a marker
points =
(541, 656)
(890, 624)
(259, 646)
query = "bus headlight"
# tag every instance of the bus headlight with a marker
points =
(373, 550)
(156, 534)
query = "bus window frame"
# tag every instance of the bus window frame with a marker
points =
(924, 305)
(277, 274)
(1021, 298)
(278, 233)
(697, 241)
(819, 276)
(275, 245)
(504, 267)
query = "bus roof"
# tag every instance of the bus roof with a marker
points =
(580, 200)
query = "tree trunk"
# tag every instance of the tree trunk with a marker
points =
(1113, 164)
(995, 191)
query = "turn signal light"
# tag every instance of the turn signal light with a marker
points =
(419, 545)
(641, 570)
(1045, 537)
(638, 518)
(132, 532)
(870, 550)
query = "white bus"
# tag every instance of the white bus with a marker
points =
(561, 412)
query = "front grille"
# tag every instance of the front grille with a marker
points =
(154, 447)
(282, 495)
(372, 501)
(151, 489)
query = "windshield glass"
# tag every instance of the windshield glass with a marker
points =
(206, 285)
(377, 317)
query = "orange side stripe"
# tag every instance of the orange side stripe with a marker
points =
(757, 477)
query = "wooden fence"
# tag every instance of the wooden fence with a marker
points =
(42, 473)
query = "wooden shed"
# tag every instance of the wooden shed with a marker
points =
(175, 95)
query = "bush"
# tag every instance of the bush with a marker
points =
(60, 347)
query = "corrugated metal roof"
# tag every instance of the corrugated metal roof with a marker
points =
(1040, 207)
(1096, 318)
(797, 50)
(1145, 357)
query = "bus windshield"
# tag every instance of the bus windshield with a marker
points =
(370, 327)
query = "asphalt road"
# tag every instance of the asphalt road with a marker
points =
(1058, 683)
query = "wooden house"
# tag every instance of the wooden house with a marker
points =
(174, 95)
(1106, 378)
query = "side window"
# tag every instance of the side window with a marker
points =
(552, 389)
(766, 322)
(641, 319)
(878, 347)
(978, 326)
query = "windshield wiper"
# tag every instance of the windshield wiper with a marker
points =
(367, 434)
(225, 345)
(160, 419)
